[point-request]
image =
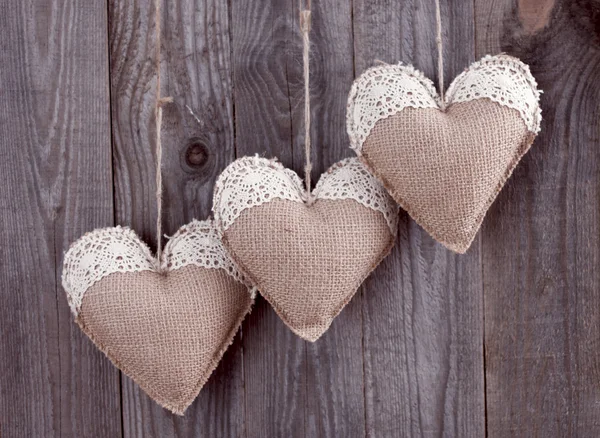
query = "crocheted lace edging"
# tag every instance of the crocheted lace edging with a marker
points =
(106, 251)
(383, 91)
(253, 181)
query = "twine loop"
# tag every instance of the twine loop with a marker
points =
(305, 25)
(440, 60)
(158, 115)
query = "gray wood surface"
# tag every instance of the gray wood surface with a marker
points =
(423, 316)
(262, 36)
(541, 254)
(56, 183)
(197, 141)
(499, 342)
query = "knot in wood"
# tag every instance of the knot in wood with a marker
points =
(196, 154)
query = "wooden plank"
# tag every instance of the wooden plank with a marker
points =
(334, 364)
(55, 173)
(197, 139)
(542, 283)
(265, 45)
(294, 388)
(422, 308)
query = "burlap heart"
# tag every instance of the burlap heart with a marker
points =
(445, 168)
(306, 259)
(167, 331)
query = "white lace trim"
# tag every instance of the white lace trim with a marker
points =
(252, 181)
(350, 178)
(385, 90)
(105, 251)
(504, 80)
(198, 243)
(249, 182)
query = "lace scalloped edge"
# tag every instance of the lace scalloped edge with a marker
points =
(89, 238)
(390, 212)
(400, 67)
(517, 64)
(256, 160)
(226, 263)
(148, 260)
(241, 163)
(369, 74)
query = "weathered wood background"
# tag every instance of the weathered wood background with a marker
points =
(503, 341)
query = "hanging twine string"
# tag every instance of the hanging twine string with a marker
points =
(158, 115)
(305, 18)
(438, 40)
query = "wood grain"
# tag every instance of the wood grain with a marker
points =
(56, 179)
(294, 388)
(197, 141)
(334, 364)
(422, 309)
(542, 299)
(266, 45)
(406, 357)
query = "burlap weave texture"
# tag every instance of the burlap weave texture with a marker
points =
(166, 332)
(308, 261)
(446, 168)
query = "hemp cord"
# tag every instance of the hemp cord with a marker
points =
(305, 19)
(160, 101)
(438, 40)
